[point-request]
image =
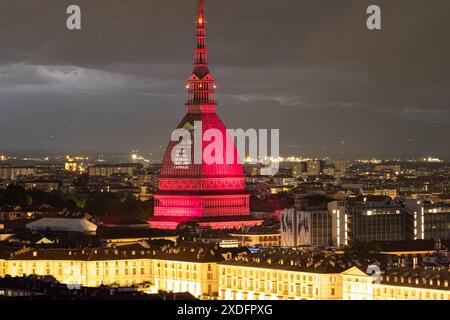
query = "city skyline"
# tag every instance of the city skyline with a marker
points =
(116, 85)
(352, 203)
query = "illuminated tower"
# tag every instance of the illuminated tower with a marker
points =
(210, 194)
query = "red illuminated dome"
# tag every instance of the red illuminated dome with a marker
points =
(209, 120)
(211, 194)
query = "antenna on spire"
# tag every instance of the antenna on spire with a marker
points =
(201, 14)
(201, 84)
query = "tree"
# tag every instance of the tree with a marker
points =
(110, 204)
(104, 204)
(318, 200)
(15, 195)
(71, 205)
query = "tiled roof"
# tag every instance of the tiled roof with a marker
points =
(297, 260)
(433, 278)
(120, 233)
(82, 254)
(7, 251)
(187, 251)
(194, 252)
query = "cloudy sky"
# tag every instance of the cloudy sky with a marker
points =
(308, 67)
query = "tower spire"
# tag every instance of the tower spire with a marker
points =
(212, 194)
(201, 84)
(201, 13)
(201, 53)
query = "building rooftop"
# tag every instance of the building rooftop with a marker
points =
(127, 233)
(196, 252)
(111, 165)
(411, 245)
(186, 251)
(434, 278)
(62, 224)
(258, 230)
(90, 254)
(297, 260)
(7, 251)
(117, 221)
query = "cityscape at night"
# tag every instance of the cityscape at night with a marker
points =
(300, 153)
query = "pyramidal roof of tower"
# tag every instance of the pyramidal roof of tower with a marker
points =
(201, 72)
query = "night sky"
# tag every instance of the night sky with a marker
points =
(308, 67)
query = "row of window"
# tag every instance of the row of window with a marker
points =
(273, 275)
(410, 294)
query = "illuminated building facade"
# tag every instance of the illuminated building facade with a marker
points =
(210, 272)
(357, 285)
(314, 167)
(75, 164)
(258, 238)
(431, 220)
(292, 277)
(365, 220)
(309, 227)
(8, 172)
(191, 268)
(183, 276)
(369, 222)
(280, 276)
(340, 223)
(188, 267)
(43, 185)
(391, 193)
(397, 284)
(107, 170)
(378, 223)
(392, 168)
(340, 165)
(86, 267)
(212, 194)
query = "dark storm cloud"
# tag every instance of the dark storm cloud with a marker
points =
(309, 67)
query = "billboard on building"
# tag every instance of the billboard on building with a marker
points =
(295, 228)
(303, 228)
(287, 221)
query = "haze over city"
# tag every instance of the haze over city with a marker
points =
(309, 68)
